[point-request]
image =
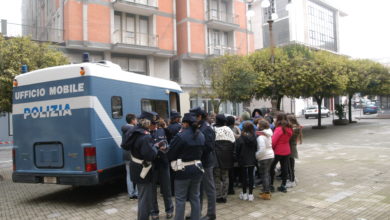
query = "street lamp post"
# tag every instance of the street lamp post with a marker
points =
(270, 6)
(272, 15)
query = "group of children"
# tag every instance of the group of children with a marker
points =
(260, 144)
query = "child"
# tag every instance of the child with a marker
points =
(281, 147)
(297, 136)
(246, 156)
(265, 156)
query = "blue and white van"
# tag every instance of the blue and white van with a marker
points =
(67, 120)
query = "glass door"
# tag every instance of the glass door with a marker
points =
(130, 29)
(143, 31)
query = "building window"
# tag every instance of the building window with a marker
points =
(133, 30)
(116, 107)
(136, 64)
(158, 106)
(321, 27)
(220, 42)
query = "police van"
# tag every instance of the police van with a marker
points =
(67, 120)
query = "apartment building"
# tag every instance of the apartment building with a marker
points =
(314, 23)
(169, 39)
(205, 29)
(139, 35)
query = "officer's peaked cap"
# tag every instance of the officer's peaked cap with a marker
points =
(197, 111)
(152, 116)
(189, 118)
(175, 114)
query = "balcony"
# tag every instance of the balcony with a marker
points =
(221, 20)
(140, 7)
(136, 43)
(220, 50)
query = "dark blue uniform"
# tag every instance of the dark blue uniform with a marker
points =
(140, 143)
(161, 175)
(173, 129)
(209, 161)
(189, 147)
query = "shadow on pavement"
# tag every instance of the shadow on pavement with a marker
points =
(81, 196)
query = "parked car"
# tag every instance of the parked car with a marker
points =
(312, 111)
(370, 109)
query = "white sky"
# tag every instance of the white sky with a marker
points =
(364, 33)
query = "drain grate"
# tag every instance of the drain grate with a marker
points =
(1, 178)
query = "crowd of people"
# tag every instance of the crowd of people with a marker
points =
(198, 154)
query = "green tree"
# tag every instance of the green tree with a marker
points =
(327, 78)
(272, 75)
(299, 58)
(379, 80)
(232, 78)
(15, 52)
(358, 74)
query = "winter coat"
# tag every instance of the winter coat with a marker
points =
(241, 126)
(187, 147)
(264, 145)
(140, 143)
(208, 158)
(124, 129)
(281, 141)
(246, 147)
(294, 141)
(224, 147)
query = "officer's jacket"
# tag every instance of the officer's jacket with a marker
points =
(187, 147)
(160, 135)
(208, 158)
(173, 129)
(141, 147)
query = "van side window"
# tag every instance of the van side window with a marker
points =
(159, 106)
(116, 107)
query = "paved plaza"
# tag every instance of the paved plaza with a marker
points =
(343, 173)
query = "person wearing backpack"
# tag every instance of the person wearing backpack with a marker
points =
(246, 147)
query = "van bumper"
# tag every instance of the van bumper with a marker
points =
(85, 179)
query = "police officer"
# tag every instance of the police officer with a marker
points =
(140, 143)
(209, 161)
(161, 170)
(186, 151)
(175, 126)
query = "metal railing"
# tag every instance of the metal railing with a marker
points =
(152, 3)
(222, 16)
(219, 50)
(133, 38)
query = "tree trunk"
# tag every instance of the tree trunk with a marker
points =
(279, 102)
(319, 103)
(274, 104)
(350, 108)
